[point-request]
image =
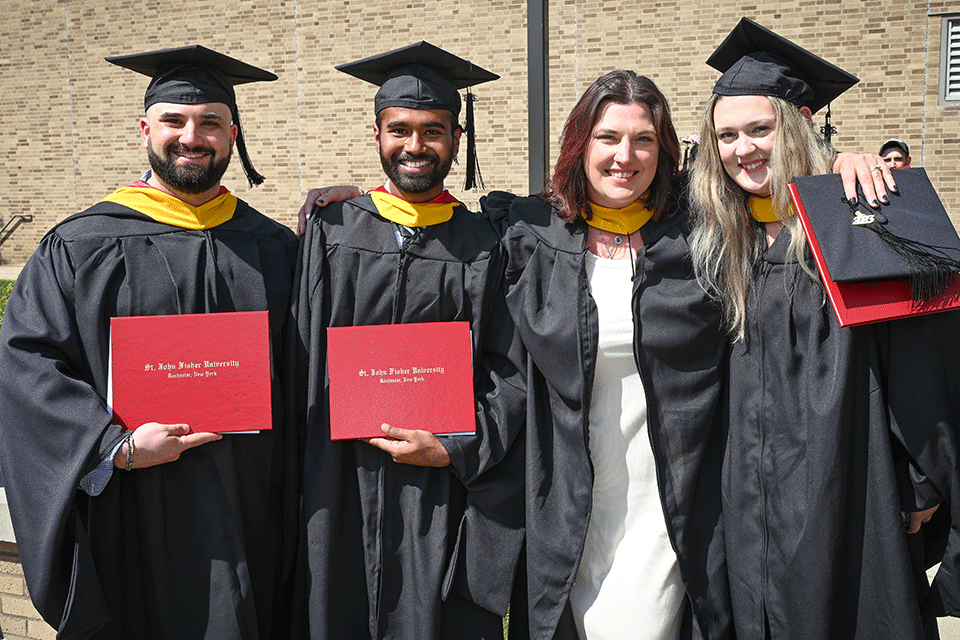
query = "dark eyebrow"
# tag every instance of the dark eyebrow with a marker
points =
(212, 115)
(437, 124)
(650, 131)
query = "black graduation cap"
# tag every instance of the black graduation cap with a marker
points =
(913, 239)
(196, 75)
(757, 61)
(423, 76)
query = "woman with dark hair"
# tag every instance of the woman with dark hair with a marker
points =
(624, 91)
(624, 355)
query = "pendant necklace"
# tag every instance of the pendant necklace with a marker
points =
(606, 247)
(617, 241)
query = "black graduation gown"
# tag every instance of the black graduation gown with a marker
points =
(187, 549)
(680, 352)
(393, 550)
(827, 427)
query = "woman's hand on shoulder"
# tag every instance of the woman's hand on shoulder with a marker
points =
(321, 198)
(870, 172)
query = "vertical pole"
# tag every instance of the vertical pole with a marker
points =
(538, 97)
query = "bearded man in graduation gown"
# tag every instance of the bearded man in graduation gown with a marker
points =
(405, 536)
(160, 532)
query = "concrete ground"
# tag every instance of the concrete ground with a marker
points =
(10, 271)
(949, 627)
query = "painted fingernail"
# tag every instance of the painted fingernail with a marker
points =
(894, 189)
(853, 201)
(876, 202)
(320, 203)
(885, 199)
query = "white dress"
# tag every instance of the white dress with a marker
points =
(628, 583)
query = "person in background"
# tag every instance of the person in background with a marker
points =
(161, 532)
(895, 153)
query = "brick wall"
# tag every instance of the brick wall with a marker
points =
(18, 619)
(892, 46)
(70, 135)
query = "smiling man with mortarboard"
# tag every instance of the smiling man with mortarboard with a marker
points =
(405, 536)
(187, 539)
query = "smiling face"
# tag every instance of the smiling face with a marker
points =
(620, 160)
(189, 147)
(746, 128)
(416, 149)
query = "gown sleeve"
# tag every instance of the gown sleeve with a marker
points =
(923, 391)
(54, 428)
(491, 464)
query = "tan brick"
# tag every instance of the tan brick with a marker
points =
(14, 606)
(40, 630)
(12, 584)
(10, 567)
(13, 626)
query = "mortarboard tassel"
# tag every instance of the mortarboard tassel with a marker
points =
(931, 270)
(474, 177)
(827, 130)
(253, 177)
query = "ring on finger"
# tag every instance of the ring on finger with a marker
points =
(876, 168)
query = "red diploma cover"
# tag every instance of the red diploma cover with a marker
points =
(827, 223)
(207, 370)
(413, 376)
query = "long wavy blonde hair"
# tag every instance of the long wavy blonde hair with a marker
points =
(726, 242)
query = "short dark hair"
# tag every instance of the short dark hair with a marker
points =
(569, 187)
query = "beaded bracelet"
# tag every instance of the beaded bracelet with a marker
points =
(131, 449)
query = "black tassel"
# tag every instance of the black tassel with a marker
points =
(253, 177)
(931, 270)
(474, 177)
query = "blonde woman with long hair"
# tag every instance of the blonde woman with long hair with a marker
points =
(827, 474)
(728, 243)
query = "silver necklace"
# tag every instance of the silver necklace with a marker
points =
(617, 240)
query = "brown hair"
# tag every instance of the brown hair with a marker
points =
(569, 189)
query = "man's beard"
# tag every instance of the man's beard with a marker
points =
(187, 178)
(417, 183)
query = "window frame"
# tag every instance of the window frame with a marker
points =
(949, 60)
